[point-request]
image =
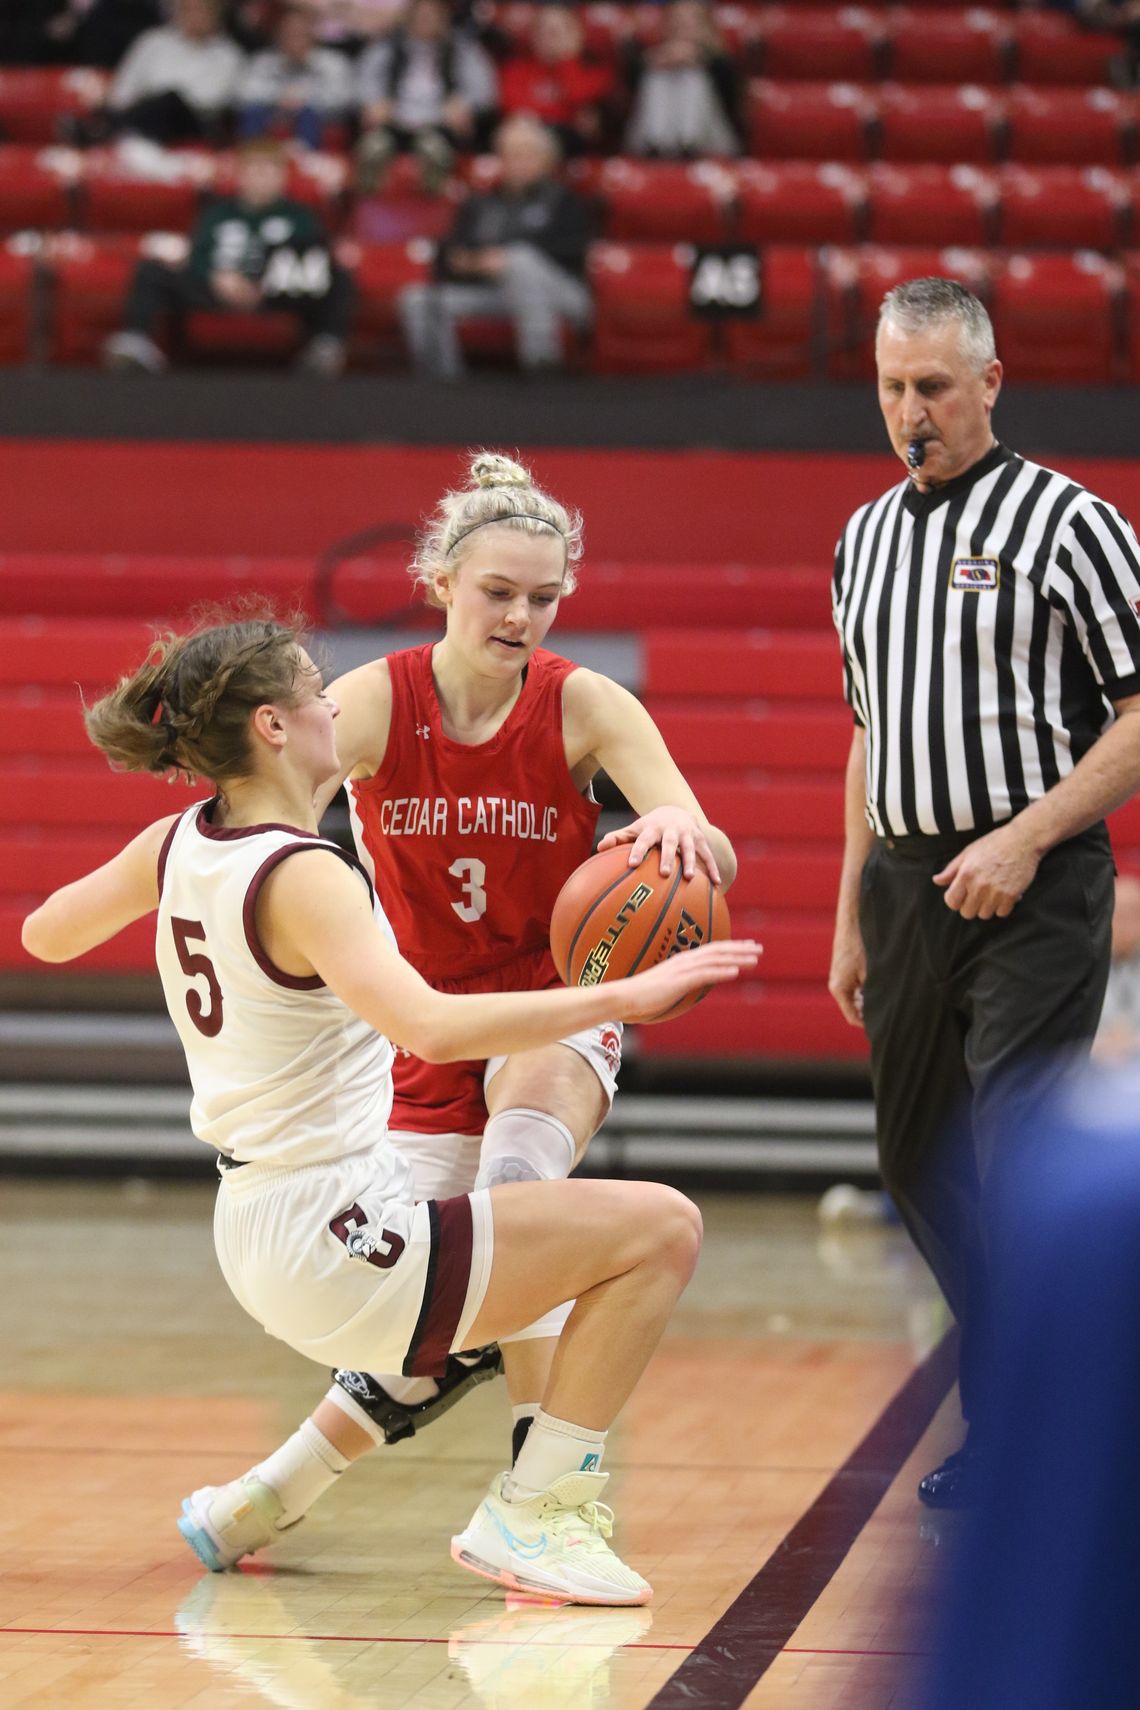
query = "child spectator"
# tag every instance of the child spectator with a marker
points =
(255, 252)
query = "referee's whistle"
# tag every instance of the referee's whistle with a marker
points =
(915, 454)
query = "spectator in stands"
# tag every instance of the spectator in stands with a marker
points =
(425, 87)
(559, 82)
(1118, 1036)
(518, 251)
(177, 81)
(72, 32)
(295, 88)
(684, 90)
(1123, 17)
(257, 252)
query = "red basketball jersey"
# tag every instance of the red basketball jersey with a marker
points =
(470, 845)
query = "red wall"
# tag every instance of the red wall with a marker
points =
(262, 499)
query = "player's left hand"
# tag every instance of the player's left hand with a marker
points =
(990, 876)
(677, 832)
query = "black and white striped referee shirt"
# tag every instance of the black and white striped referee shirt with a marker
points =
(986, 626)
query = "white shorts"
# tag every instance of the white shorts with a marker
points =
(600, 1046)
(348, 1277)
(446, 1164)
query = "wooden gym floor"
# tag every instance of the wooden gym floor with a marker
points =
(763, 1478)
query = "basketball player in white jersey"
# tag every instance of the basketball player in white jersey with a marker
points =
(285, 987)
(456, 751)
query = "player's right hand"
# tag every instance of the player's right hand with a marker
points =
(645, 997)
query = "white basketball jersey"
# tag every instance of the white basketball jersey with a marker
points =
(283, 1072)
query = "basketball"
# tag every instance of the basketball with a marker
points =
(611, 919)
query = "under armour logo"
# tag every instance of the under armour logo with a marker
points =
(423, 730)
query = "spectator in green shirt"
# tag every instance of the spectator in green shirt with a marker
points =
(256, 252)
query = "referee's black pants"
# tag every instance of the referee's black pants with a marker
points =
(970, 1022)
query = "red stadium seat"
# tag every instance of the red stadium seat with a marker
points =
(952, 123)
(776, 665)
(404, 210)
(787, 876)
(381, 272)
(1068, 207)
(818, 41)
(777, 343)
(968, 46)
(785, 808)
(780, 1022)
(1071, 127)
(1051, 47)
(739, 28)
(930, 204)
(90, 278)
(67, 793)
(859, 279)
(33, 102)
(53, 653)
(43, 724)
(36, 187)
(1132, 287)
(116, 198)
(17, 287)
(230, 334)
(642, 320)
(750, 734)
(809, 121)
(37, 589)
(1054, 317)
(36, 862)
(798, 201)
(664, 202)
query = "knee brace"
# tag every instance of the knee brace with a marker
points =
(363, 1398)
(524, 1146)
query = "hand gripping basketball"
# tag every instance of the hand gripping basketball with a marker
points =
(612, 920)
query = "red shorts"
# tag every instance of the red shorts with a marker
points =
(448, 1098)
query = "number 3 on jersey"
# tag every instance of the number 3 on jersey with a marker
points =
(197, 965)
(473, 874)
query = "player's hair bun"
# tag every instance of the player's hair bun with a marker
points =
(489, 469)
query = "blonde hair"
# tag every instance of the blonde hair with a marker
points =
(186, 709)
(499, 491)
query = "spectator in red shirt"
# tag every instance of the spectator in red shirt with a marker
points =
(559, 82)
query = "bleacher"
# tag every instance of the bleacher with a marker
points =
(881, 140)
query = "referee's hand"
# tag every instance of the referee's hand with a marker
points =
(848, 972)
(990, 876)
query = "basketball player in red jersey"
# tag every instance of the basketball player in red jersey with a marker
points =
(470, 764)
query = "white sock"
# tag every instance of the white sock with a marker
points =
(524, 1146)
(522, 1418)
(301, 1470)
(553, 1448)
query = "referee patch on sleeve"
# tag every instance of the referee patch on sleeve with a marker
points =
(975, 575)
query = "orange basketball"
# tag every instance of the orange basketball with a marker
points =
(611, 919)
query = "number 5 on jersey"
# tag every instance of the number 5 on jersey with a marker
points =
(473, 875)
(195, 964)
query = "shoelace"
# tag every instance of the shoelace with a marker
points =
(597, 1516)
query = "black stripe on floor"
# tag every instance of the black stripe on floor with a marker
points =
(725, 1667)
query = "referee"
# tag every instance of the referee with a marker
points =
(987, 612)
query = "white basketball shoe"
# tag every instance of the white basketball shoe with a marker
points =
(552, 1545)
(224, 1522)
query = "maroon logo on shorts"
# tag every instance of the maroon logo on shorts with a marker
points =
(360, 1242)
